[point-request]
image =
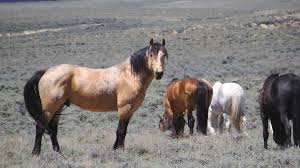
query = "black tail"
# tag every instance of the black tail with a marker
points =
(202, 110)
(32, 98)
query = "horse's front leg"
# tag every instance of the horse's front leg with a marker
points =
(191, 121)
(125, 114)
(172, 123)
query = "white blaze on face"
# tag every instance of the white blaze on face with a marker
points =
(159, 62)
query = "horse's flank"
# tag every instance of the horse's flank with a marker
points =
(97, 87)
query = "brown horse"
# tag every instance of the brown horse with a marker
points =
(119, 88)
(183, 96)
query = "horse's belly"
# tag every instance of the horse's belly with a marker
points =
(97, 104)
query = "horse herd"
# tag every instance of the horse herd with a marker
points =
(122, 88)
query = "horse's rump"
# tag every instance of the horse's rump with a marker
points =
(32, 97)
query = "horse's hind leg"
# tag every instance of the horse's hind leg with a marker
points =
(295, 133)
(211, 119)
(265, 131)
(53, 126)
(191, 121)
(221, 124)
(287, 127)
(38, 139)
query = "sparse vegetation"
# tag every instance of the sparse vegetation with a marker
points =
(216, 44)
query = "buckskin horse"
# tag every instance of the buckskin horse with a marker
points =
(184, 96)
(228, 104)
(279, 102)
(119, 88)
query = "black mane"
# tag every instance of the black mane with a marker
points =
(138, 60)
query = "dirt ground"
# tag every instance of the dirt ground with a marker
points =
(218, 40)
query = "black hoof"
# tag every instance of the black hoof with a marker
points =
(118, 146)
(57, 149)
(36, 152)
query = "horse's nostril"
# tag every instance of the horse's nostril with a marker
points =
(158, 75)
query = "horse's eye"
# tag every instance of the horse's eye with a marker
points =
(150, 55)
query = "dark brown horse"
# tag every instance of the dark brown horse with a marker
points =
(184, 96)
(280, 102)
(121, 88)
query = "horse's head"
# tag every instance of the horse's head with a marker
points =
(164, 123)
(156, 55)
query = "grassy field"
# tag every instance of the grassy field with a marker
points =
(226, 42)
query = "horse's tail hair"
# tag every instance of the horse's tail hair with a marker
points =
(297, 118)
(238, 109)
(32, 98)
(202, 108)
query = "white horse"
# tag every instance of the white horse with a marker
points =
(228, 104)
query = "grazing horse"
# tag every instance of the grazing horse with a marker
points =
(183, 96)
(119, 88)
(279, 102)
(228, 103)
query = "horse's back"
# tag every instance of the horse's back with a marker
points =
(232, 89)
(226, 94)
(223, 93)
(288, 83)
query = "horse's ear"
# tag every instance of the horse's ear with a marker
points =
(163, 42)
(151, 41)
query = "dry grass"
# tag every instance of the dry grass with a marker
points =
(217, 44)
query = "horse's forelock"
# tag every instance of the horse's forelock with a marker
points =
(156, 47)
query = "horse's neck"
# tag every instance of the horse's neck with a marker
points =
(144, 79)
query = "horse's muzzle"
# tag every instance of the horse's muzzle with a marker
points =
(158, 75)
